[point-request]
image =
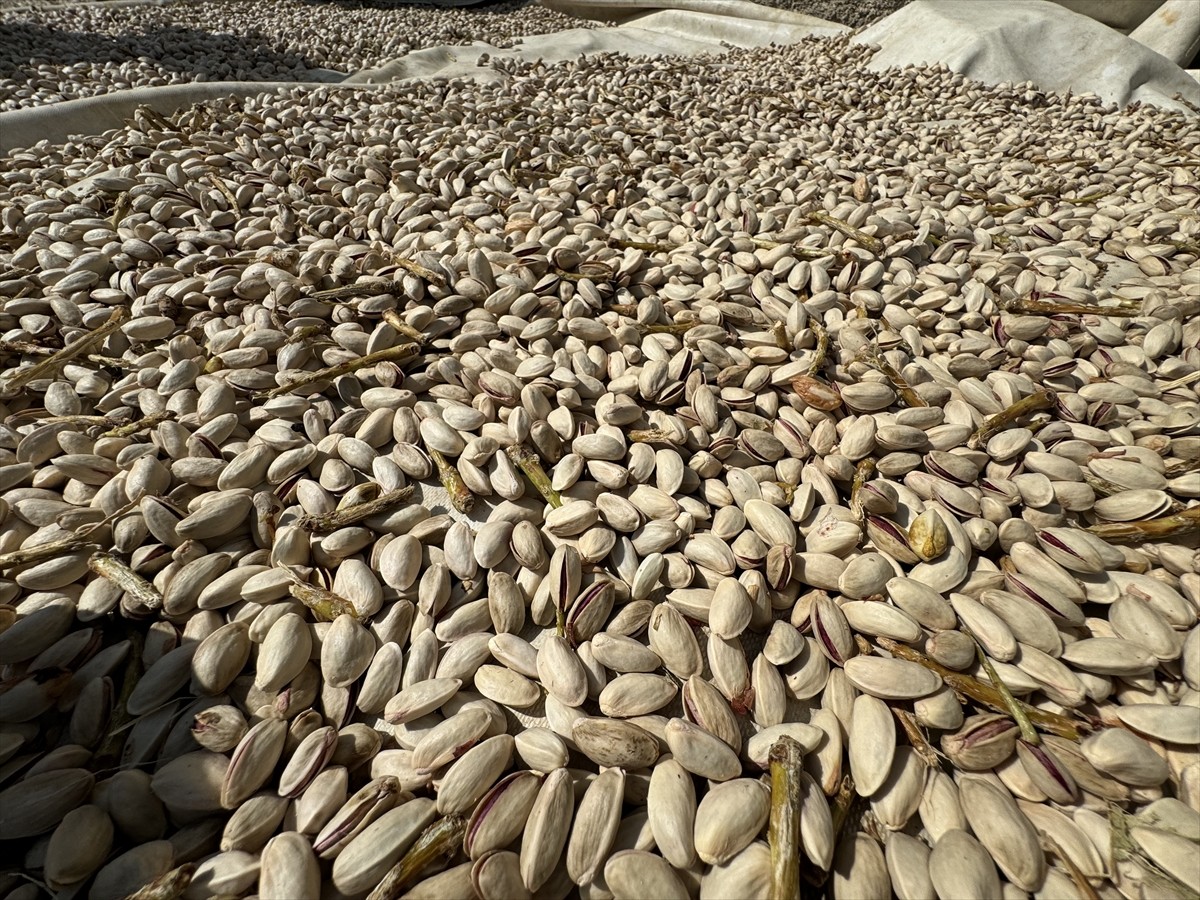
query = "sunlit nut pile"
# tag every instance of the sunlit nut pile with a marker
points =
(65, 52)
(632, 479)
(855, 13)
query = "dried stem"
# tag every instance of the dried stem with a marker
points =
(219, 183)
(1186, 522)
(168, 886)
(779, 332)
(673, 328)
(14, 381)
(1182, 467)
(78, 541)
(1086, 891)
(648, 246)
(1181, 381)
(110, 749)
(822, 351)
(1035, 402)
(1125, 847)
(391, 354)
(108, 566)
(306, 332)
(527, 461)
(461, 497)
(1028, 733)
(440, 841)
(862, 474)
(143, 424)
(985, 693)
(872, 357)
(915, 737)
(873, 244)
(361, 289)
(1030, 306)
(419, 270)
(783, 835)
(394, 319)
(326, 605)
(652, 436)
(42, 552)
(340, 518)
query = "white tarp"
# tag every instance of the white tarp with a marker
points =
(991, 40)
(1031, 40)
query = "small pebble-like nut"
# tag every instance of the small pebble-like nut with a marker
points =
(637, 873)
(728, 818)
(38, 802)
(78, 846)
(133, 869)
(891, 679)
(289, 868)
(960, 866)
(612, 742)
(983, 742)
(928, 536)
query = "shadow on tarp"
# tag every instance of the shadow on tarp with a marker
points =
(25, 45)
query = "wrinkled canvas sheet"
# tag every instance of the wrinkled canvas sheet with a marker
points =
(1055, 47)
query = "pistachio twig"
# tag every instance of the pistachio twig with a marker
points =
(779, 332)
(1182, 468)
(872, 357)
(120, 208)
(985, 693)
(14, 381)
(42, 552)
(822, 350)
(399, 353)
(441, 840)
(349, 515)
(1086, 891)
(1125, 847)
(359, 289)
(652, 436)
(1181, 381)
(168, 886)
(326, 605)
(673, 328)
(28, 415)
(394, 319)
(918, 740)
(527, 461)
(873, 244)
(783, 835)
(461, 497)
(802, 252)
(1035, 402)
(1030, 306)
(143, 424)
(306, 332)
(419, 270)
(27, 347)
(1028, 733)
(846, 812)
(219, 183)
(1186, 522)
(108, 566)
(109, 751)
(862, 474)
(647, 246)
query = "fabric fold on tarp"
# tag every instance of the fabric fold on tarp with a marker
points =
(1029, 40)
